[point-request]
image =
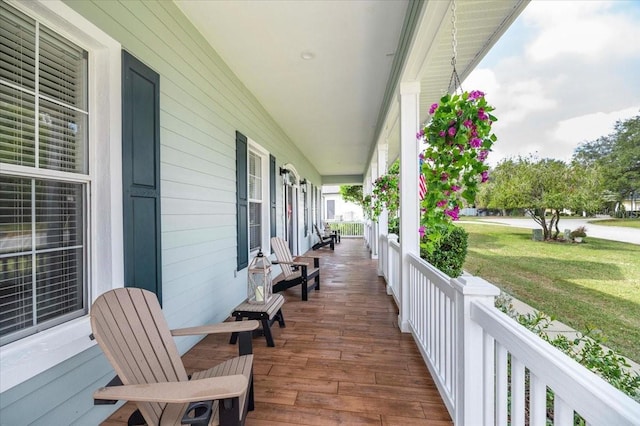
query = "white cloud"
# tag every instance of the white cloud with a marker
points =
(522, 98)
(590, 127)
(482, 78)
(589, 29)
(514, 101)
(561, 76)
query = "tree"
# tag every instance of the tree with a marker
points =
(352, 193)
(618, 157)
(543, 187)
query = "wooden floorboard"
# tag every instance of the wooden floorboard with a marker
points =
(341, 360)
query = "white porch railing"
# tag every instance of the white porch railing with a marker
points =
(489, 369)
(347, 229)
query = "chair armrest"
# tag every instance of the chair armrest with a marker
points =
(284, 262)
(223, 327)
(178, 392)
(316, 260)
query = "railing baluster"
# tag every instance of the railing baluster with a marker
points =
(562, 412)
(537, 401)
(517, 392)
(502, 390)
(489, 379)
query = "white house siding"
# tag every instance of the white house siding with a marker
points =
(202, 105)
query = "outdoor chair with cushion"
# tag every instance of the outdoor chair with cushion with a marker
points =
(131, 330)
(295, 271)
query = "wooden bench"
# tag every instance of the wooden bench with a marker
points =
(267, 314)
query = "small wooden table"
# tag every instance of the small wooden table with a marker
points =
(267, 314)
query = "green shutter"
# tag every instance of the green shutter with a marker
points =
(141, 175)
(272, 193)
(242, 201)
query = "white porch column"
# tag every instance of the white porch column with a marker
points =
(375, 225)
(383, 220)
(366, 190)
(409, 209)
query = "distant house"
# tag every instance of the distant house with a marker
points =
(632, 204)
(336, 208)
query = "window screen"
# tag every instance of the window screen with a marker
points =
(255, 201)
(43, 143)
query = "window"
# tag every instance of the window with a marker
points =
(259, 201)
(61, 232)
(43, 123)
(255, 201)
(331, 209)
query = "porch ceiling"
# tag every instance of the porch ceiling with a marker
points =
(335, 105)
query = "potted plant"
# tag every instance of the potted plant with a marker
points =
(578, 234)
(458, 140)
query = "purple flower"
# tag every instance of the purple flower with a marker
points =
(482, 156)
(453, 213)
(421, 156)
(455, 188)
(441, 134)
(482, 115)
(421, 230)
(433, 108)
(485, 176)
(467, 123)
(475, 94)
(475, 143)
(452, 131)
(420, 134)
(444, 177)
(441, 203)
(447, 193)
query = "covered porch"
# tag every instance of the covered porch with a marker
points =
(341, 359)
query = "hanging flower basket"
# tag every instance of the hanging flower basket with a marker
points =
(458, 139)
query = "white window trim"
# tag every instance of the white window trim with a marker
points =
(28, 357)
(265, 244)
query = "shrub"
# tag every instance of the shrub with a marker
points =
(580, 231)
(449, 252)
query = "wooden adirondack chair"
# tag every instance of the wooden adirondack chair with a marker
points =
(323, 241)
(295, 271)
(130, 328)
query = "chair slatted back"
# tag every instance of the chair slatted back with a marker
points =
(131, 330)
(281, 250)
(318, 233)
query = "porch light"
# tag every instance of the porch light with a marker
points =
(259, 283)
(283, 171)
(307, 55)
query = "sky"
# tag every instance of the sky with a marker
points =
(562, 74)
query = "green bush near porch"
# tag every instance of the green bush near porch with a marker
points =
(588, 286)
(449, 252)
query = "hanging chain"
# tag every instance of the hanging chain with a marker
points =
(454, 82)
(454, 34)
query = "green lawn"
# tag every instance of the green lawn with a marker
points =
(595, 284)
(628, 223)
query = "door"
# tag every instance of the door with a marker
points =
(141, 175)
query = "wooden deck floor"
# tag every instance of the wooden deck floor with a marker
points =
(341, 360)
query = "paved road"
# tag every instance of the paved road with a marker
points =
(614, 233)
